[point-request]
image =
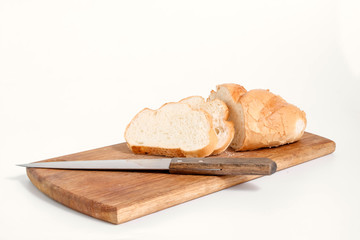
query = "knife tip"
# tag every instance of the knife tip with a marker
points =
(21, 165)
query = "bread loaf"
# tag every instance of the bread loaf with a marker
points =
(219, 112)
(261, 118)
(174, 130)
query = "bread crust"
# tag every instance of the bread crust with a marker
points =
(266, 120)
(190, 97)
(230, 94)
(175, 152)
(269, 120)
(235, 90)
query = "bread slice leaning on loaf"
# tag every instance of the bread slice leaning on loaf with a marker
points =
(174, 130)
(261, 118)
(219, 112)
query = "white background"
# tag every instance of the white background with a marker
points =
(74, 73)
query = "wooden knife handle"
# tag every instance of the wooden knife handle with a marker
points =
(223, 166)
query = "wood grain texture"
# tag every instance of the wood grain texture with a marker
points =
(118, 197)
(223, 166)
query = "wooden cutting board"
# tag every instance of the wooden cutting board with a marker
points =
(117, 196)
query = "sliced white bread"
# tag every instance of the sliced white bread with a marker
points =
(174, 130)
(261, 118)
(219, 112)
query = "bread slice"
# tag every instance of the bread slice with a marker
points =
(261, 118)
(219, 112)
(230, 94)
(174, 130)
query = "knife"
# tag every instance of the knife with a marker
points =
(202, 166)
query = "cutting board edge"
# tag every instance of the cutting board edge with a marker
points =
(192, 191)
(101, 211)
(124, 216)
(323, 149)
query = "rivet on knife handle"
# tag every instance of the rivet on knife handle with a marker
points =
(223, 166)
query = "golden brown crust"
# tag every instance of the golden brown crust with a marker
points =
(175, 152)
(235, 90)
(269, 120)
(266, 120)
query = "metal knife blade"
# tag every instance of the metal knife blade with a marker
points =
(116, 164)
(203, 166)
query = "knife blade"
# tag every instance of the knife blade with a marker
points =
(202, 166)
